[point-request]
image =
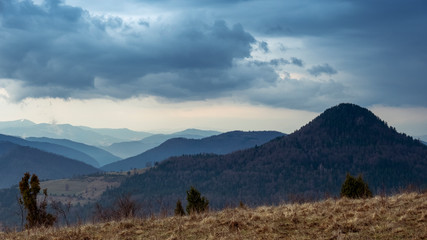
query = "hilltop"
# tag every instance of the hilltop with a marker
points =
(398, 217)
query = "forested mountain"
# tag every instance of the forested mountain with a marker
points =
(309, 163)
(219, 144)
(90, 136)
(133, 148)
(15, 160)
(100, 155)
(53, 148)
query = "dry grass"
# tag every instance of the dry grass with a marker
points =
(80, 190)
(85, 189)
(398, 217)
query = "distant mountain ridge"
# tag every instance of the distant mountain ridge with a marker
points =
(101, 156)
(308, 163)
(53, 148)
(90, 136)
(15, 160)
(219, 144)
(132, 148)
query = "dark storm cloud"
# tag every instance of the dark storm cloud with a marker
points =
(202, 49)
(55, 46)
(322, 69)
(380, 45)
(296, 61)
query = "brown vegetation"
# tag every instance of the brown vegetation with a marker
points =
(82, 190)
(398, 217)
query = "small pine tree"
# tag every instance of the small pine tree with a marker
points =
(196, 203)
(36, 214)
(355, 187)
(179, 210)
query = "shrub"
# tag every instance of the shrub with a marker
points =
(355, 187)
(179, 210)
(196, 203)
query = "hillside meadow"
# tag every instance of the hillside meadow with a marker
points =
(402, 216)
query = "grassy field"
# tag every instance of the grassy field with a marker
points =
(398, 217)
(84, 189)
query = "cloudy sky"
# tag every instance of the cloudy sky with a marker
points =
(223, 64)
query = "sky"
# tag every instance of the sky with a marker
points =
(222, 65)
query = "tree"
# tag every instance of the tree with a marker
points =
(179, 210)
(355, 187)
(196, 203)
(36, 213)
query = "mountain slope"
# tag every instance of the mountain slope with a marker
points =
(132, 148)
(219, 144)
(101, 156)
(52, 148)
(15, 160)
(308, 163)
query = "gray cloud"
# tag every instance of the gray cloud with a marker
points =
(57, 50)
(322, 69)
(278, 61)
(55, 46)
(300, 94)
(296, 61)
(379, 46)
(264, 46)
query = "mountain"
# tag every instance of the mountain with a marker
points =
(101, 156)
(15, 160)
(132, 148)
(90, 136)
(219, 144)
(307, 164)
(53, 148)
(121, 133)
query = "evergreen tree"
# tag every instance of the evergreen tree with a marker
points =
(36, 214)
(196, 203)
(355, 187)
(179, 210)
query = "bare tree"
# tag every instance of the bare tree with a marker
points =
(21, 212)
(123, 207)
(62, 209)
